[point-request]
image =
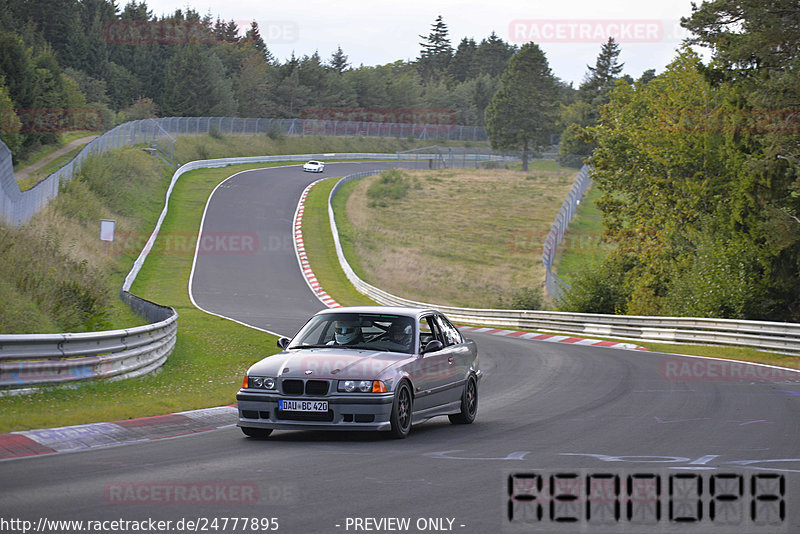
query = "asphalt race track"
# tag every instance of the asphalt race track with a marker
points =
(548, 411)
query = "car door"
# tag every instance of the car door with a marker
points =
(433, 372)
(459, 357)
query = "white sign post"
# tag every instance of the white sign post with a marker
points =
(107, 231)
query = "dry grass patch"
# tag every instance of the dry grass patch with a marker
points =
(457, 237)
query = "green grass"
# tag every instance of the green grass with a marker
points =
(474, 234)
(320, 248)
(47, 170)
(190, 148)
(64, 138)
(210, 356)
(582, 247)
(589, 223)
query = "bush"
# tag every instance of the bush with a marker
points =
(214, 132)
(527, 298)
(274, 131)
(720, 280)
(391, 185)
(600, 289)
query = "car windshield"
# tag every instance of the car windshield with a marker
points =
(313, 163)
(370, 331)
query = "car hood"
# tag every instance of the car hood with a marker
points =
(328, 363)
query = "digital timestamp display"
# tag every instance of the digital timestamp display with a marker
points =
(641, 501)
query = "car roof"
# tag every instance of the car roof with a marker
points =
(391, 310)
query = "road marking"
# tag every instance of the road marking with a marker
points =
(447, 455)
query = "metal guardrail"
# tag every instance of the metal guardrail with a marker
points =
(17, 207)
(764, 335)
(30, 360)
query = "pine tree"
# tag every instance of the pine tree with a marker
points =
(492, 55)
(436, 51)
(462, 67)
(253, 36)
(523, 112)
(338, 62)
(600, 78)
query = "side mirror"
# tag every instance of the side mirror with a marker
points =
(283, 342)
(432, 346)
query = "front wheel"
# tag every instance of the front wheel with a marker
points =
(257, 433)
(401, 411)
(469, 404)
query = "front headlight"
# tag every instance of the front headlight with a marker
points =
(260, 382)
(361, 386)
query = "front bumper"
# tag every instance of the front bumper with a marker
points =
(345, 412)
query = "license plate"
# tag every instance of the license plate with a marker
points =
(302, 406)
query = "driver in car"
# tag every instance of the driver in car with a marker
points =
(400, 336)
(346, 333)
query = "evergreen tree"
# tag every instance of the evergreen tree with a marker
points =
(196, 85)
(253, 36)
(523, 112)
(492, 55)
(338, 62)
(462, 67)
(436, 51)
(600, 78)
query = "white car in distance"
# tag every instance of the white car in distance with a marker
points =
(314, 166)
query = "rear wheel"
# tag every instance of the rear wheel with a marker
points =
(257, 433)
(401, 411)
(469, 404)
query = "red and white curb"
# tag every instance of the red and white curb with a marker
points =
(551, 338)
(302, 258)
(94, 435)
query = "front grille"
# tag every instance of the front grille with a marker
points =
(305, 416)
(309, 387)
(316, 387)
(293, 387)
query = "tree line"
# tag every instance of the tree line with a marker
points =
(128, 64)
(699, 174)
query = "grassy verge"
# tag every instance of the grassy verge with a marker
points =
(323, 260)
(45, 150)
(204, 147)
(745, 354)
(475, 235)
(47, 170)
(210, 356)
(321, 249)
(582, 247)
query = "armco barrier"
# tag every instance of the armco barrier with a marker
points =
(35, 359)
(765, 335)
(17, 207)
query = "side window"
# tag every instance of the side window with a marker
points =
(450, 333)
(428, 331)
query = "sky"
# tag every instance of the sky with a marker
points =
(376, 32)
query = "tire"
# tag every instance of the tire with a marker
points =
(469, 404)
(402, 409)
(257, 433)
